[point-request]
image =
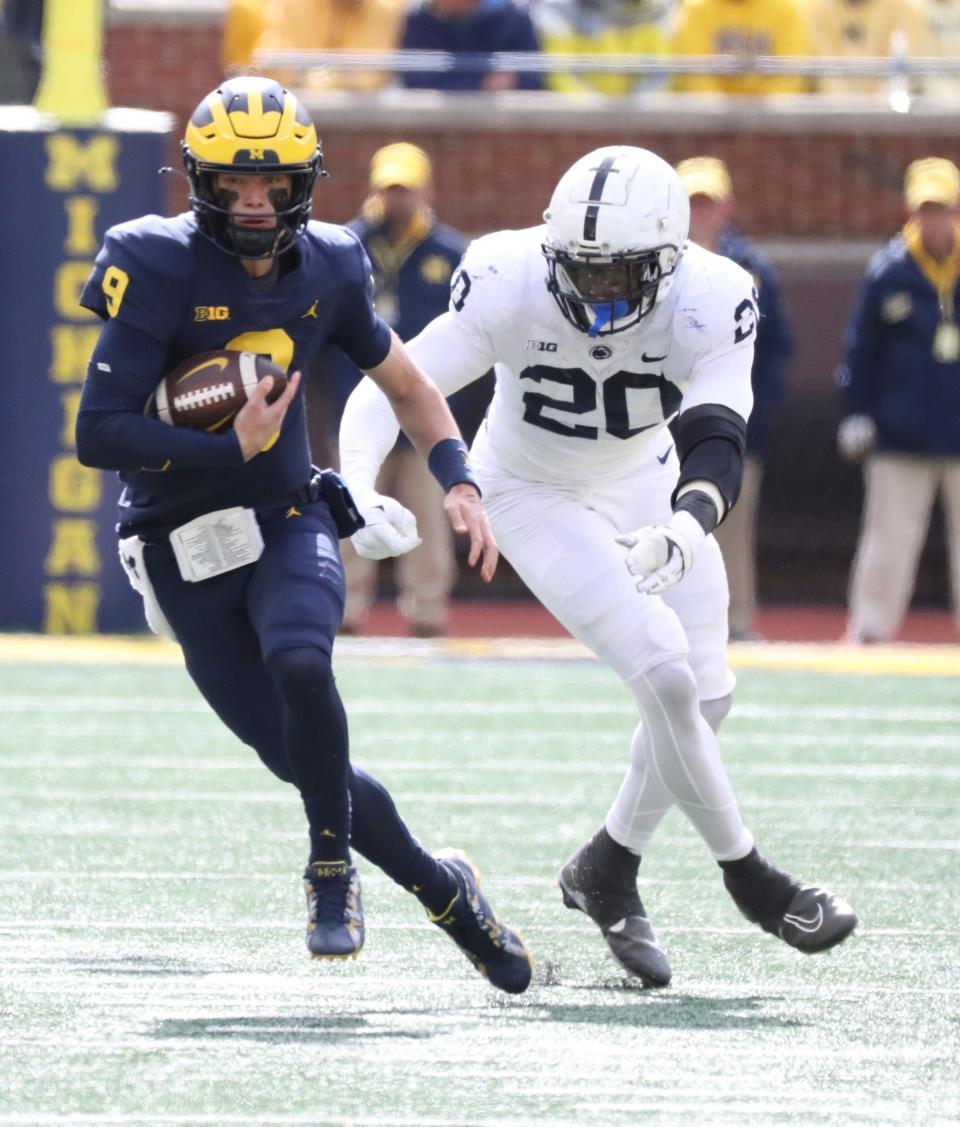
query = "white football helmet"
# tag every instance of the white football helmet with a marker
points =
(616, 228)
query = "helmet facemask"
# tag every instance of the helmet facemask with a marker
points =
(602, 294)
(616, 228)
(225, 228)
(251, 126)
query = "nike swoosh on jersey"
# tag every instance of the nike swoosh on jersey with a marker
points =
(662, 458)
(651, 359)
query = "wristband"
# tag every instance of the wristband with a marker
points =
(701, 506)
(450, 464)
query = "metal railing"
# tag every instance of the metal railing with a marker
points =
(640, 65)
(899, 70)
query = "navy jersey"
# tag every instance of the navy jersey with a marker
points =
(168, 293)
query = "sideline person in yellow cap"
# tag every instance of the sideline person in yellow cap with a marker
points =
(712, 205)
(901, 388)
(413, 258)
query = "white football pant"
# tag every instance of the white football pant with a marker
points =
(669, 650)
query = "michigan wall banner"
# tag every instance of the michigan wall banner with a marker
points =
(59, 192)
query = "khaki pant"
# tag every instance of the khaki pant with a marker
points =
(425, 576)
(737, 537)
(900, 491)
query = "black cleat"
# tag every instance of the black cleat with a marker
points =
(496, 950)
(808, 918)
(334, 911)
(816, 920)
(615, 907)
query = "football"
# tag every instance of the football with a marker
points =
(207, 390)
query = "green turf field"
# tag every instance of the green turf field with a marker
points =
(151, 922)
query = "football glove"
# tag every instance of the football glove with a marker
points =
(389, 529)
(662, 554)
(856, 436)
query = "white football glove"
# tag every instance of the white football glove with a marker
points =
(390, 529)
(662, 554)
(856, 436)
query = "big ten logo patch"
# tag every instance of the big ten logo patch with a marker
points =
(211, 313)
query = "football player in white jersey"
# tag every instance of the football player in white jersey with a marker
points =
(603, 325)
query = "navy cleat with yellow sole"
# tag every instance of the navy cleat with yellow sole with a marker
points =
(496, 950)
(588, 884)
(334, 910)
(806, 917)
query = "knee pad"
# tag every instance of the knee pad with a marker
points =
(669, 688)
(300, 670)
(716, 711)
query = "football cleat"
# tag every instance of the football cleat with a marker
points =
(618, 911)
(496, 950)
(334, 911)
(808, 918)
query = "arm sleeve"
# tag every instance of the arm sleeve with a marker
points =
(711, 440)
(449, 355)
(112, 431)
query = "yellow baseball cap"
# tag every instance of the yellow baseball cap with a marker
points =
(931, 180)
(400, 164)
(705, 176)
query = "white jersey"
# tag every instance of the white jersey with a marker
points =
(568, 408)
(571, 408)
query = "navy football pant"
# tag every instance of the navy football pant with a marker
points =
(257, 642)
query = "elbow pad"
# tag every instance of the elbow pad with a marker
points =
(711, 445)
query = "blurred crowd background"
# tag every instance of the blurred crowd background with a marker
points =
(797, 123)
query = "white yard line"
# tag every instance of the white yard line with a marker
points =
(395, 707)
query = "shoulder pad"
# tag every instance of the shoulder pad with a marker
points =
(341, 245)
(493, 272)
(161, 244)
(714, 294)
(153, 258)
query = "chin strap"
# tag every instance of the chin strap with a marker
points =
(606, 312)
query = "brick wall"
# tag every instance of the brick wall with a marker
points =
(798, 173)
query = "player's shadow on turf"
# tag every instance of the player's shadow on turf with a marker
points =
(682, 1011)
(291, 1029)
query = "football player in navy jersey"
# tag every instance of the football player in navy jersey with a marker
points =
(247, 270)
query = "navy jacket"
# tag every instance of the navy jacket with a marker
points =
(774, 337)
(890, 372)
(497, 25)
